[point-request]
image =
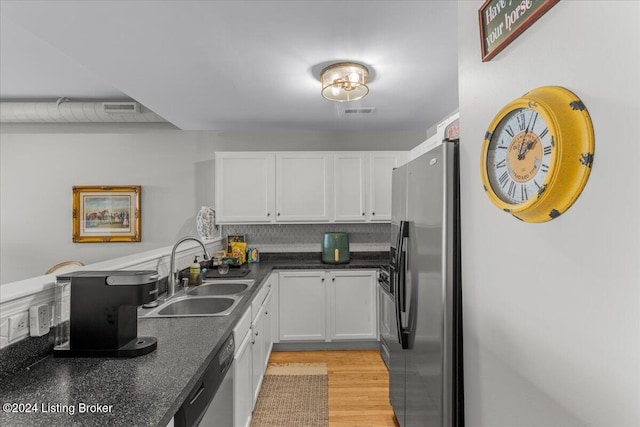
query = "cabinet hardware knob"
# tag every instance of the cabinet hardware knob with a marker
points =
(333, 279)
(266, 313)
(373, 213)
(278, 213)
(253, 341)
(322, 280)
(256, 333)
(268, 213)
(362, 213)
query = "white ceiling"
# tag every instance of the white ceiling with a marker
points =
(225, 65)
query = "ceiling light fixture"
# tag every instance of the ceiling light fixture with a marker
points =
(345, 81)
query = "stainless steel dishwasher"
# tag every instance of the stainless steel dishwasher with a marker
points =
(210, 403)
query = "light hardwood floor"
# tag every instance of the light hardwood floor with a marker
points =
(358, 385)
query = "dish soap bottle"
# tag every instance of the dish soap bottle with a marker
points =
(194, 272)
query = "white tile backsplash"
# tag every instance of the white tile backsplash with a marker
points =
(308, 237)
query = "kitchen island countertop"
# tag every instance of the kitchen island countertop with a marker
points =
(146, 390)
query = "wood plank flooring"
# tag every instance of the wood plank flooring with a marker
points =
(358, 385)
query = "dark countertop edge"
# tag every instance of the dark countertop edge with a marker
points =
(259, 272)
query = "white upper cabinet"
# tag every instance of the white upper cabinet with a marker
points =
(303, 187)
(349, 172)
(381, 164)
(245, 187)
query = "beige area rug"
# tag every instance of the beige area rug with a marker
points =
(293, 395)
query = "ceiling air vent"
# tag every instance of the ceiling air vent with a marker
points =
(361, 110)
(121, 107)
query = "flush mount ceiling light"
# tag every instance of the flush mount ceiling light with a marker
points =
(345, 81)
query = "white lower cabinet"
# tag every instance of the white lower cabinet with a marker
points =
(242, 383)
(252, 355)
(257, 353)
(302, 308)
(268, 325)
(299, 305)
(333, 305)
(352, 305)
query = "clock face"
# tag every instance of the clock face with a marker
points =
(519, 156)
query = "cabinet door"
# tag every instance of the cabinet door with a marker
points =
(245, 187)
(242, 384)
(349, 187)
(353, 305)
(267, 338)
(275, 291)
(257, 356)
(381, 165)
(384, 313)
(302, 307)
(303, 186)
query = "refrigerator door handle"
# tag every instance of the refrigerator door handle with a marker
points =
(401, 274)
(396, 296)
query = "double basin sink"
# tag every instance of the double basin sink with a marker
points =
(212, 298)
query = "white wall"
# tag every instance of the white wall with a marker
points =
(552, 310)
(39, 164)
(38, 172)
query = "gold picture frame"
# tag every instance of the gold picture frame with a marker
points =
(106, 214)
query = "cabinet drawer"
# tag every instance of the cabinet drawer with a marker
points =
(242, 327)
(259, 299)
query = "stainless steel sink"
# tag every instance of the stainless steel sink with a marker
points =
(193, 306)
(217, 297)
(221, 287)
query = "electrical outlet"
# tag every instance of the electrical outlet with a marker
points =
(39, 320)
(18, 326)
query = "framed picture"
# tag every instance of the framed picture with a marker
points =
(106, 214)
(501, 21)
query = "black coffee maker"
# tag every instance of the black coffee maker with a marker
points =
(97, 313)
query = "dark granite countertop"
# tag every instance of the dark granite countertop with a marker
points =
(146, 390)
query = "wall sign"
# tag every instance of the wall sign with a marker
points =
(501, 21)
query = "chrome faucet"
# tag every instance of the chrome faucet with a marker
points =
(173, 275)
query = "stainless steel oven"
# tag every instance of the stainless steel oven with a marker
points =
(386, 313)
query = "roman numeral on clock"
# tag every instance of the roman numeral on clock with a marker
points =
(502, 163)
(512, 189)
(543, 133)
(521, 121)
(503, 179)
(547, 150)
(523, 192)
(509, 131)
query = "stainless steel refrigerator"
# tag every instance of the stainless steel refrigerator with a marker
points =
(425, 375)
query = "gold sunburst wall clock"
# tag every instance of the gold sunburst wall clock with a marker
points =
(537, 154)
